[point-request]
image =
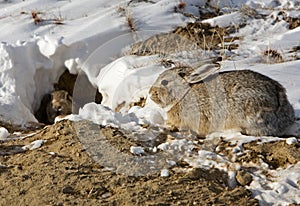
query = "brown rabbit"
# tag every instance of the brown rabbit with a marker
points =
(206, 101)
(59, 104)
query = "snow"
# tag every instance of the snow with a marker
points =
(34, 145)
(3, 133)
(137, 150)
(93, 39)
(52, 153)
(164, 173)
(282, 189)
(128, 81)
(291, 140)
(225, 20)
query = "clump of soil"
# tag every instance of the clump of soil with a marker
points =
(276, 154)
(62, 173)
(19, 128)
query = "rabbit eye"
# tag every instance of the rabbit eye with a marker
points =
(181, 74)
(164, 82)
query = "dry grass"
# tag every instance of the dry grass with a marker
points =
(130, 22)
(39, 20)
(36, 17)
(273, 56)
(181, 5)
(168, 62)
(124, 12)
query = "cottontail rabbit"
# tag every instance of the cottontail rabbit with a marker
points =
(60, 104)
(54, 104)
(208, 101)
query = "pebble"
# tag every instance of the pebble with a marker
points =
(137, 150)
(68, 190)
(164, 173)
(106, 195)
(3, 133)
(243, 177)
(291, 140)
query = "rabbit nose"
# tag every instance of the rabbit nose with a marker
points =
(58, 109)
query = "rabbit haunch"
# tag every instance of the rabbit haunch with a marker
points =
(241, 100)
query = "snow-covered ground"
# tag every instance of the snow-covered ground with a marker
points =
(90, 37)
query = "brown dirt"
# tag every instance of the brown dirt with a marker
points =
(62, 173)
(276, 154)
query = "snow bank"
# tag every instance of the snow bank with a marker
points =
(18, 66)
(28, 71)
(127, 79)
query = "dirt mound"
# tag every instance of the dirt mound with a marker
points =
(60, 172)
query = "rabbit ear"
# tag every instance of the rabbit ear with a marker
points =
(69, 97)
(211, 60)
(202, 73)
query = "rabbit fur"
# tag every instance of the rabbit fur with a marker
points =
(60, 103)
(206, 102)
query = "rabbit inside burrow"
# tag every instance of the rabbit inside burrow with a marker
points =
(60, 104)
(206, 102)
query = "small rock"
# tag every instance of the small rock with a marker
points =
(68, 190)
(243, 177)
(164, 173)
(65, 131)
(53, 154)
(4, 166)
(171, 193)
(137, 150)
(3, 133)
(34, 145)
(195, 174)
(291, 141)
(18, 167)
(106, 195)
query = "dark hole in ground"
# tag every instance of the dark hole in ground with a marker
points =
(80, 91)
